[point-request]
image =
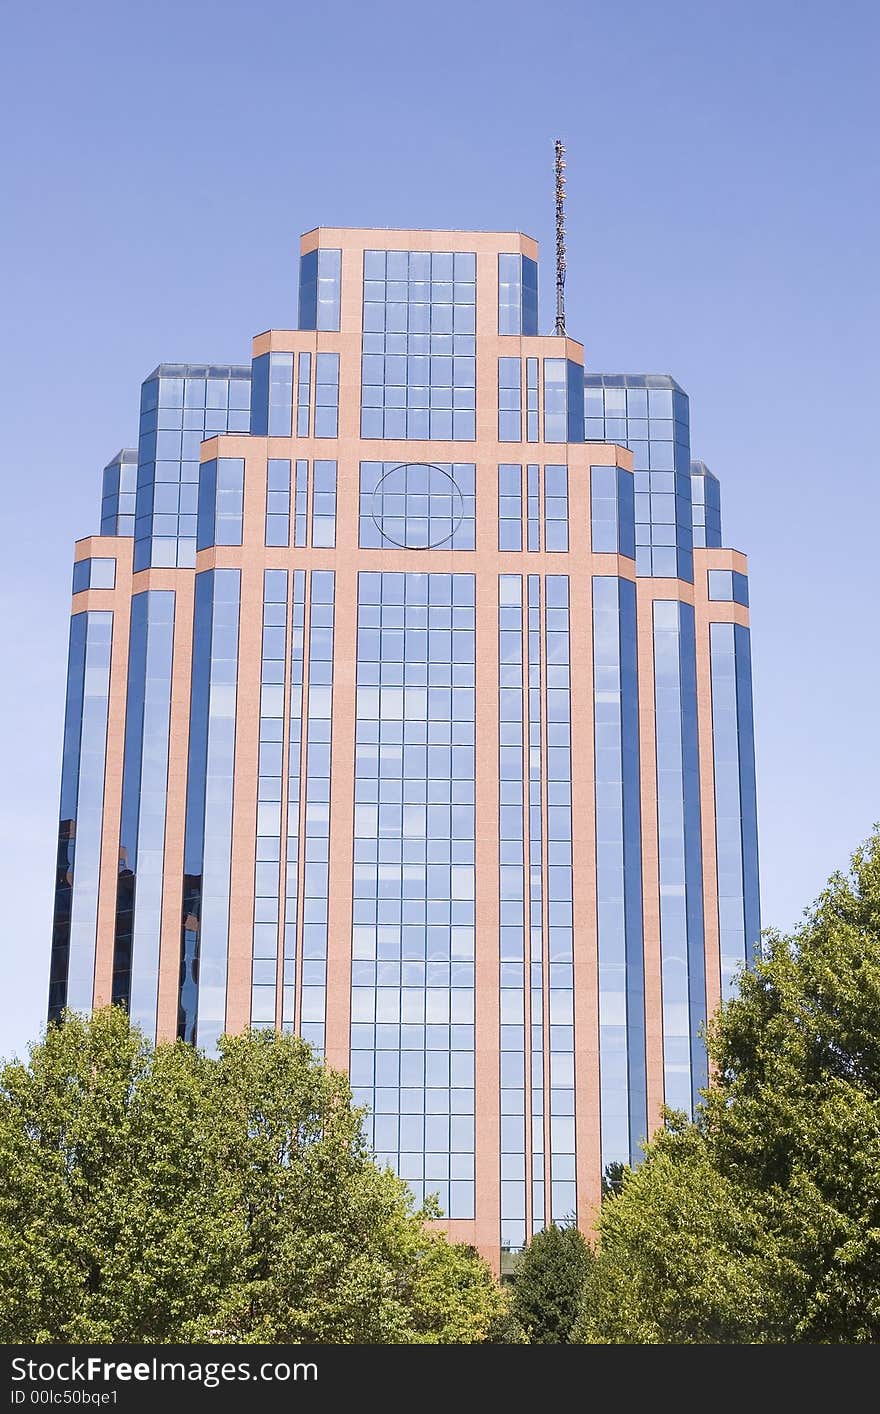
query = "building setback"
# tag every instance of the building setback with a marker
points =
(409, 708)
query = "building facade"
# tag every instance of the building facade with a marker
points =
(409, 708)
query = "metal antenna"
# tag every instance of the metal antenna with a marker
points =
(560, 236)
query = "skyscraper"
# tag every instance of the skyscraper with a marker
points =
(381, 731)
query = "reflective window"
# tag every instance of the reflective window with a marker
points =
(75, 920)
(680, 854)
(563, 401)
(654, 423)
(97, 573)
(622, 1063)
(612, 511)
(181, 405)
(267, 866)
(221, 502)
(510, 507)
(521, 1164)
(327, 395)
(705, 506)
(139, 885)
(316, 864)
(418, 505)
(555, 508)
(517, 295)
(320, 275)
(303, 394)
(295, 768)
(510, 400)
(119, 494)
(412, 1031)
(323, 504)
(418, 369)
(736, 832)
(277, 502)
(729, 584)
(532, 434)
(208, 833)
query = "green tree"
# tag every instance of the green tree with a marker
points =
(760, 1222)
(154, 1194)
(547, 1291)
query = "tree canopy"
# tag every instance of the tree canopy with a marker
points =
(547, 1291)
(760, 1222)
(153, 1194)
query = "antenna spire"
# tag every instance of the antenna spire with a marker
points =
(560, 236)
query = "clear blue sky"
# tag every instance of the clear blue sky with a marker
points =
(162, 161)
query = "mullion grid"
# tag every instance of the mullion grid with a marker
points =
(412, 1034)
(295, 804)
(512, 874)
(267, 883)
(316, 856)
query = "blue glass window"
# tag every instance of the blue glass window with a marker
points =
(324, 504)
(510, 507)
(555, 507)
(680, 855)
(510, 400)
(278, 502)
(221, 502)
(612, 510)
(517, 295)
(181, 405)
(303, 394)
(730, 585)
(316, 864)
(139, 887)
(736, 831)
(412, 997)
(119, 494)
(208, 831)
(622, 1063)
(327, 395)
(74, 928)
(320, 275)
(418, 370)
(295, 768)
(532, 434)
(96, 573)
(512, 913)
(418, 505)
(267, 865)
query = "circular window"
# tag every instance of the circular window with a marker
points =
(417, 506)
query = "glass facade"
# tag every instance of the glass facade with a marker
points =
(98, 573)
(208, 840)
(412, 993)
(563, 400)
(736, 824)
(320, 288)
(418, 505)
(517, 295)
(706, 506)
(220, 502)
(681, 867)
(418, 370)
(74, 928)
(119, 493)
(139, 887)
(649, 413)
(497, 724)
(294, 801)
(612, 511)
(267, 866)
(181, 405)
(729, 584)
(622, 1055)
